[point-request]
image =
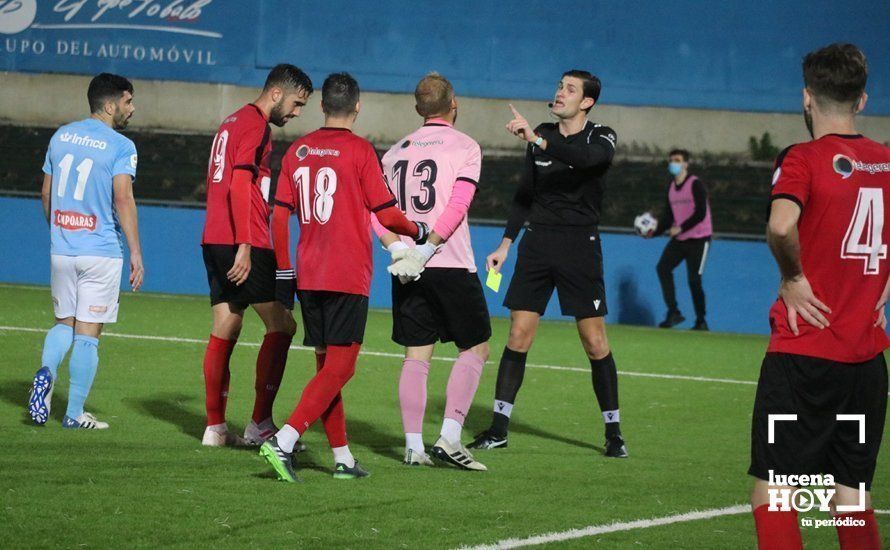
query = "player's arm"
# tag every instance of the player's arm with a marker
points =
(881, 319)
(285, 277)
(239, 200)
(46, 191)
(666, 221)
(790, 194)
(45, 194)
(597, 149)
(519, 211)
(462, 192)
(125, 206)
(795, 290)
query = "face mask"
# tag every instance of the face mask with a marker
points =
(675, 168)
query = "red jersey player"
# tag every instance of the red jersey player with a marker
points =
(824, 369)
(332, 180)
(238, 253)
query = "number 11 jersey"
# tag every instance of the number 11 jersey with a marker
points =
(332, 180)
(841, 184)
(83, 157)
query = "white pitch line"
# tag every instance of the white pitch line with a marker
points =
(400, 356)
(612, 528)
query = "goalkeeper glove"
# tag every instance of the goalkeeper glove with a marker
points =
(412, 264)
(285, 287)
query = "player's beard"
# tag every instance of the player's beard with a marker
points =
(277, 116)
(120, 120)
(808, 120)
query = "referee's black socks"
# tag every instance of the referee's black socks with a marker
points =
(605, 386)
(510, 374)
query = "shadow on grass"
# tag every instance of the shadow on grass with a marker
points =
(174, 409)
(480, 417)
(379, 442)
(16, 393)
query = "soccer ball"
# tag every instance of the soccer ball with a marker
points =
(645, 224)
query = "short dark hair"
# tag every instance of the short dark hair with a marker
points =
(288, 77)
(105, 87)
(339, 94)
(682, 152)
(591, 84)
(836, 73)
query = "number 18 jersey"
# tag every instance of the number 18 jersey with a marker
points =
(842, 184)
(83, 157)
(332, 180)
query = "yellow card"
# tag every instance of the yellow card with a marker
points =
(494, 280)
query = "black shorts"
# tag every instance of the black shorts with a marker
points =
(568, 259)
(446, 304)
(817, 390)
(333, 318)
(257, 289)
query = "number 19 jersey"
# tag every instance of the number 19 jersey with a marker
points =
(842, 184)
(83, 157)
(421, 171)
(332, 179)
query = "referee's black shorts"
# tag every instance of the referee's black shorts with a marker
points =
(567, 259)
(817, 390)
(257, 289)
(446, 304)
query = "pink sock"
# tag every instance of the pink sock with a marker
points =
(412, 394)
(462, 385)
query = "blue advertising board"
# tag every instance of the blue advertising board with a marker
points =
(688, 53)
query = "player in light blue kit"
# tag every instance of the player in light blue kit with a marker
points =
(88, 201)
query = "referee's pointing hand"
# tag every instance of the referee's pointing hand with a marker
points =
(520, 127)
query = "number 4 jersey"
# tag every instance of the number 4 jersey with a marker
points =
(841, 184)
(83, 158)
(332, 180)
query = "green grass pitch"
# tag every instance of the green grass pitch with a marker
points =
(148, 482)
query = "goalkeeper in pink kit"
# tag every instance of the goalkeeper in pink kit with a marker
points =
(433, 173)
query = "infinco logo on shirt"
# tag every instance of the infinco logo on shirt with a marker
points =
(845, 166)
(304, 151)
(85, 141)
(74, 221)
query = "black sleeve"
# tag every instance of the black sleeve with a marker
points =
(595, 149)
(522, 200)
(700, 197)
(667, 218)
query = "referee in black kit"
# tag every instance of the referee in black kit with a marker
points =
(560, 196)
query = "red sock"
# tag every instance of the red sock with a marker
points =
(334, 417)
(322, 390)
(216, 378)
(777, 530)
(269, 370)
(853, 537)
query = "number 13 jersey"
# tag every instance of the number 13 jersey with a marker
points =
(332, 180)
(421, 171)
(841, 184)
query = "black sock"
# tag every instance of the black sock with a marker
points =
(605, 386)
(510, 373)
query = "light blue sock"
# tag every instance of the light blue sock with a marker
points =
(55, 346)
(83, 364)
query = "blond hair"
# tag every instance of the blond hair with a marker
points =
(433, 95)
